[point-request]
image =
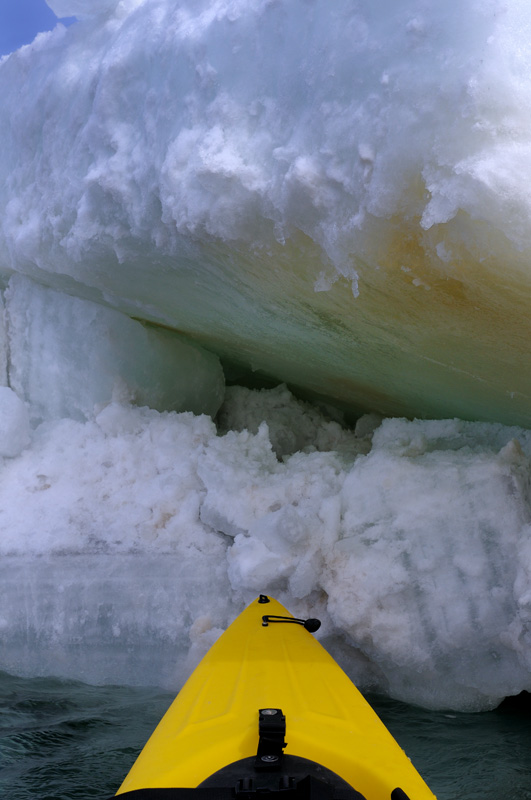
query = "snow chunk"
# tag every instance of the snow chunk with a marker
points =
(69, 357)
(292, 424)
(14, 423)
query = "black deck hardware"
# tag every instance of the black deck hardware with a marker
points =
(271, 742)
(263, 598)
(399, 794)
(310, 624)
(307, 788)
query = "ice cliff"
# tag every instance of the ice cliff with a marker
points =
(333, 196)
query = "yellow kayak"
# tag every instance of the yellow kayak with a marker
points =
(269, 710)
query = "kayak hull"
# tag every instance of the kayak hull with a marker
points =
(213, 722)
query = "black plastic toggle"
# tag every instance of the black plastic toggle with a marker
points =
(310, 624)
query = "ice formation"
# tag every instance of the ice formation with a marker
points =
(352, 180)
(67, 356)
(332, 195)
(143, 533)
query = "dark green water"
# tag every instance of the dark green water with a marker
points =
(62, 740)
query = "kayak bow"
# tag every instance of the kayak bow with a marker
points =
(264, 681)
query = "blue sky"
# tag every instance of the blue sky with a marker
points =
(22, 20)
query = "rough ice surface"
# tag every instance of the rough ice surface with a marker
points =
(335, 196)
(143, 534)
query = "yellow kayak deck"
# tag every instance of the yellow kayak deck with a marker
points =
(214, 719)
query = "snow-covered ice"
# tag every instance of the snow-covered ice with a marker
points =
(332, 197)
(144, 532)
(351, 179)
